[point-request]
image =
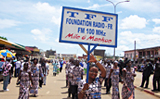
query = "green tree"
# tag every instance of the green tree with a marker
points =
(3, 37)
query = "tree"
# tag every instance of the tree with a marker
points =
(3, 37)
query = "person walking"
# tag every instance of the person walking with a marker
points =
(43, 66)
(17, 68)
(70, 70)
(77, 75)
(25, 78)
(121, 66)
(46, 72)
(6, 67)
(146, 73)
(55, 67)
(128, 75)
(108, 67)
(92, 89)
(61, 65)
(114, 74)
(66, 70)
(156, 77)
(36, 73)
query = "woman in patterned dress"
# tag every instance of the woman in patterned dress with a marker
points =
(114, 74)
(128, 79)
(36, 72)
(92, 89)
(25, 78)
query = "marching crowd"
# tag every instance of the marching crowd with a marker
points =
(32, 74)
(107, 71)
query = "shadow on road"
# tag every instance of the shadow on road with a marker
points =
(64, 92)
(1, 91)
(64, 87)
(61, 80)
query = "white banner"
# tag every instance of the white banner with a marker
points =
(88, 27)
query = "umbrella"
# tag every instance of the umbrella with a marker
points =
(6, 53)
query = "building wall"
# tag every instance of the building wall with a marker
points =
(148, 53)
(49, 52)
(130, 54)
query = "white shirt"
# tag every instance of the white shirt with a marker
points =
(22, 65)
(18, 64)
(84, 65)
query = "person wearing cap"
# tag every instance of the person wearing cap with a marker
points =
(128, 75)
(108, 67)
(114, 75)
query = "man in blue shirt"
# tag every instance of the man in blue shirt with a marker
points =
(61, 65)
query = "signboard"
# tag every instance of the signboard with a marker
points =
(82, 26)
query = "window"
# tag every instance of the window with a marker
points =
(144, 54)
(131, 55)
(140, 54)
(148, 54)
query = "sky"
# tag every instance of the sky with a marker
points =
(37, 23)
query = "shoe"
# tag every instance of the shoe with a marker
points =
(145, 87)
(153, 90)
(6, 90)
(34, 96)
(141, 86)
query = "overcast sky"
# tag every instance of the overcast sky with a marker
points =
(37, 23)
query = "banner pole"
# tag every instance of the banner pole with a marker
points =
(88, 63)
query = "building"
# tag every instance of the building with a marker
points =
(68, 56)
(50, 52)
(99, 53)
(82, 57)
(146, 53)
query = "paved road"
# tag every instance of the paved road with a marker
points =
(55, 89)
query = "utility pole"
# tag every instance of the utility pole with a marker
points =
(135, 52)
(115, 13)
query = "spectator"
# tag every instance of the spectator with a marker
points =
(146, 73)
(156, 77)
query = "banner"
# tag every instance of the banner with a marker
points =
(82, 26)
